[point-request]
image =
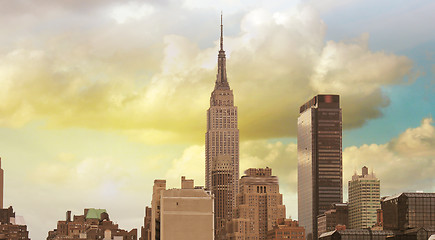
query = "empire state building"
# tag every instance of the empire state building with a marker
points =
(222, 145)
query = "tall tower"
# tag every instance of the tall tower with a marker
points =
(222, 137)
(320, 173)
(364, 195)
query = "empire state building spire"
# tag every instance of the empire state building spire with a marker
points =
(222, 147)
(221, 78)
(222, 35)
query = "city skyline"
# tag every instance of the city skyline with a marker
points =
(93, 109)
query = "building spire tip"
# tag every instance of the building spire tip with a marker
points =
(222, 34)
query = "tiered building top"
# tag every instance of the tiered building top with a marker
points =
(222, 144)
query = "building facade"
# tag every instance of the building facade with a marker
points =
(145, 233)
(333, 219)
(158, 187)
(357, 234)
(222, 140)
(93, 224)
(181, 214)
(222, 187)
(409, 210)
(285, 229)
(320, 174)
(259, 205)
(12, 227)
(364, 199)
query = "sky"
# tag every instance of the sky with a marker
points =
(99, 98)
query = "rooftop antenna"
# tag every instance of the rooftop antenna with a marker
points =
(222, 34)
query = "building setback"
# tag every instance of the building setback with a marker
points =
(259, 205)
(181, 214)
(319, 159)
(364, 199)
(93, 224)
(222, 142)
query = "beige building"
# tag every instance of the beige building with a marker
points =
(364, 199)
(181, 214)
(259, 206)
(222, 144)
(159, 186)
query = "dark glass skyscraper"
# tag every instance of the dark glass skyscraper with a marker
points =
(320, 174)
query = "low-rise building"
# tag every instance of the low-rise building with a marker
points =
(333, 219)
(409, 210)
(286, 229)
(356, 234)
(93, 224)
(180, 214)
(12, 227)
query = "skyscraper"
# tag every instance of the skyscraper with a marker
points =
(319, 159)
(364, 199)
(222, 139)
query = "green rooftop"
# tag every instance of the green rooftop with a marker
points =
(95, 213)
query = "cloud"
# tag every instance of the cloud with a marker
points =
(131, 11)
(405, 163)
(155, 85)
(191, 164)
(282, 158)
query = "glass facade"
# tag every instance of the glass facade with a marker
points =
(409, 210)
(357, 234)
(320, 173)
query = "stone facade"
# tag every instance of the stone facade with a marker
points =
(259, 205)
(222, 144)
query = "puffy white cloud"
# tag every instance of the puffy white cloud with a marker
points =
(405, 163)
